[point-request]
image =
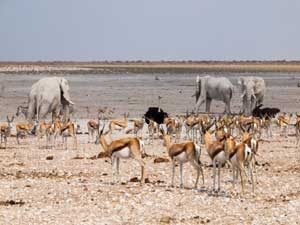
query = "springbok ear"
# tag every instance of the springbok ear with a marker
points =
(64, 86)
(248, 129)
(242, 128)
(162, 131)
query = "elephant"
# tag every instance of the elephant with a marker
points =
(253, 91)
(209, 88)
(49, 95)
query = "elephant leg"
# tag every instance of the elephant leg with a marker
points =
(253, 104)
(198, 104)
(31, 110)
(259, 101)
(208, 102)
(227, 107)
(245, 104)
(55, 115)
(43, 110)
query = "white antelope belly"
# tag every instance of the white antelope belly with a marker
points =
(182, 157)
(220, 157)
(233, 161)
(123, 153)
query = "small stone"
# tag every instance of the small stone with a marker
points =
(161, 160)
(165, 219)
(134, 179)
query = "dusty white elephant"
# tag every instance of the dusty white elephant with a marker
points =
(209, 88)
(253, 92)
(49, 95)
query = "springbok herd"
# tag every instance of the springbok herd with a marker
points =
(229, 140)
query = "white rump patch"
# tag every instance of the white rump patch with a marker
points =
(248, 153)
(253, 144)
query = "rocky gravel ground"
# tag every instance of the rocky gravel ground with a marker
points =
(56, 186)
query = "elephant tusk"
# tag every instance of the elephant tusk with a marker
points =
(243, 94)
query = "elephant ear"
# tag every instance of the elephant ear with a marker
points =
(64, 86)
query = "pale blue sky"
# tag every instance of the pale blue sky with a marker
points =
(149, 30)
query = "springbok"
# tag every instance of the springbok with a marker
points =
(6, 130)
(22, 110)
(128, 147)
(153, 128)
(93, 128)
(138, 125)
(25, 128)
(240, 156)
(283, 122)
(182, 153)
(45, 129)
(174, 127)
(215, 150)
(120, 124)
(65, 130)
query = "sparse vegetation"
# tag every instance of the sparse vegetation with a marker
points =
(107, 67)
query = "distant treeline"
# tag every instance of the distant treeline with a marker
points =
(151, 67)
(152, 62)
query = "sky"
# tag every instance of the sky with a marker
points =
(48, 30)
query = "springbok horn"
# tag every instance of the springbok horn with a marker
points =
(242, 127)
(101, 132)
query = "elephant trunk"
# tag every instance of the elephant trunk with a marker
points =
(250, 103)
(66, 103)
(66, 112)
(31, 111)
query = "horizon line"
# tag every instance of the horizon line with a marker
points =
(150, 61)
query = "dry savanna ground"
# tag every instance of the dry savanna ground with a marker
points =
(57, 186)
